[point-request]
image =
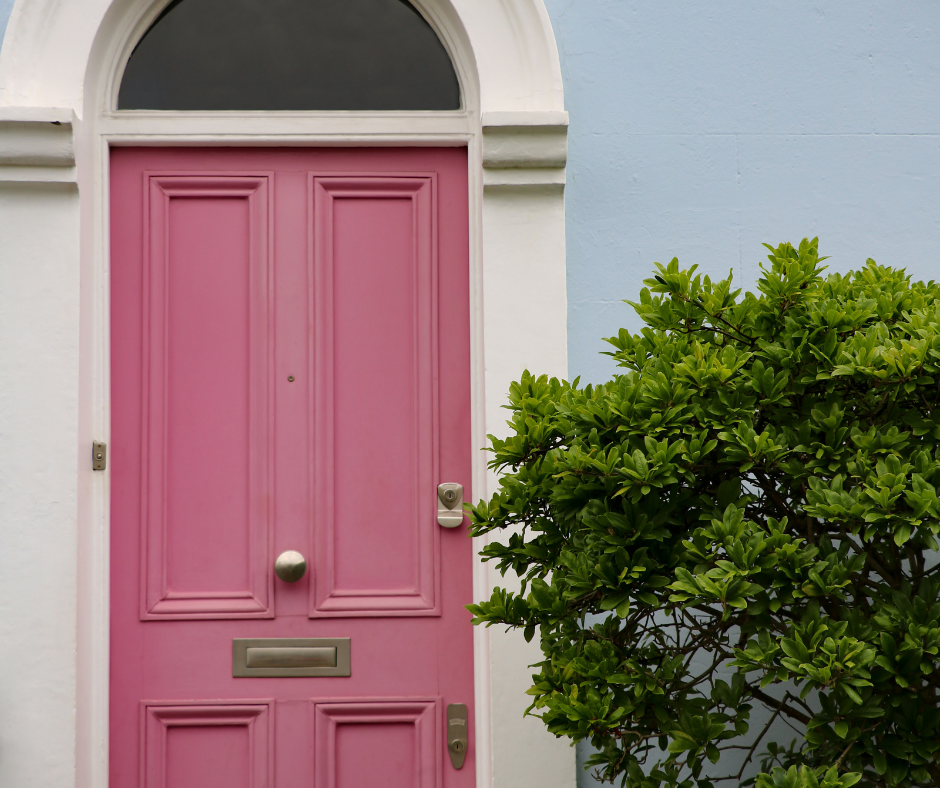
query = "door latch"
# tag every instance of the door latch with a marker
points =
(457, 735)
(450, 504)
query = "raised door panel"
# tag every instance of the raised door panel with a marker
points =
(206, 427)
(357, 741)
(195, 745)
(375, 391)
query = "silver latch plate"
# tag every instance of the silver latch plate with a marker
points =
(458, 733)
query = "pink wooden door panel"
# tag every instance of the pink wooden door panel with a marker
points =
(290, 370)
(198, 745)
(205, 380)
(399, 740)
(374, 272)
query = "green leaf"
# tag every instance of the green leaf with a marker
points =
(759, 478)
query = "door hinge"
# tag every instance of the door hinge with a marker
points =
(99, 456)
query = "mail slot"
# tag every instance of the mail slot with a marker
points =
(291, 657)
(285, 657)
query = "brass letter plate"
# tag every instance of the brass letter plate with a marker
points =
(282, 657)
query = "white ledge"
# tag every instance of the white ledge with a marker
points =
(36, 137)
(547, 179)
(534, 118)
(525, 140)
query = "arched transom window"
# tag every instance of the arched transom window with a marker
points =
(289, 55)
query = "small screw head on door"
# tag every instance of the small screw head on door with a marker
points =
(290, 378)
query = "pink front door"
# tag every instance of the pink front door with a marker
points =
(290, 371)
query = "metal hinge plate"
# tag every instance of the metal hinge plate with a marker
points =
(99, 456)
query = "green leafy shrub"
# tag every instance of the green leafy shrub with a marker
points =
(746, 517)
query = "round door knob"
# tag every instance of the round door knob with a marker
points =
(290, 566)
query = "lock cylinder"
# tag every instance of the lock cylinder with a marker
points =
(450, 504)
(457, 733)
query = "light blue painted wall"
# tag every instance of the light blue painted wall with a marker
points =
(6, 8)
(701, 130)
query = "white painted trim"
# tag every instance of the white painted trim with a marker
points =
(525, 140)
(285, 127)
(289, 128)
(525, 149)
(70, 53)
(40, 173)
(504, 52)
(36, 136)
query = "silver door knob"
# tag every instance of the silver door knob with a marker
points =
(290, 566)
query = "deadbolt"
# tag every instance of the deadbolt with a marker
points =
(290, 566)
(457, 733)
(450, 504)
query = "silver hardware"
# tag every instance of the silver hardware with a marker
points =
(290, 566)
(286, 657)
(450, 504)
(99, 456)
(457, 733)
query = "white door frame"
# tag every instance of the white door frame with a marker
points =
(514, 127)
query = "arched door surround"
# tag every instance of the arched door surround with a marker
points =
(60, 71)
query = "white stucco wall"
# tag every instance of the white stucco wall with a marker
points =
(39, 303)
(521, 335)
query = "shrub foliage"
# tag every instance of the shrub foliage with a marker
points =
(745, 517)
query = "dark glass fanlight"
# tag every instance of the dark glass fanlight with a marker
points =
(290, 55)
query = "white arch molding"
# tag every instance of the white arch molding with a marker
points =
(60, 68)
